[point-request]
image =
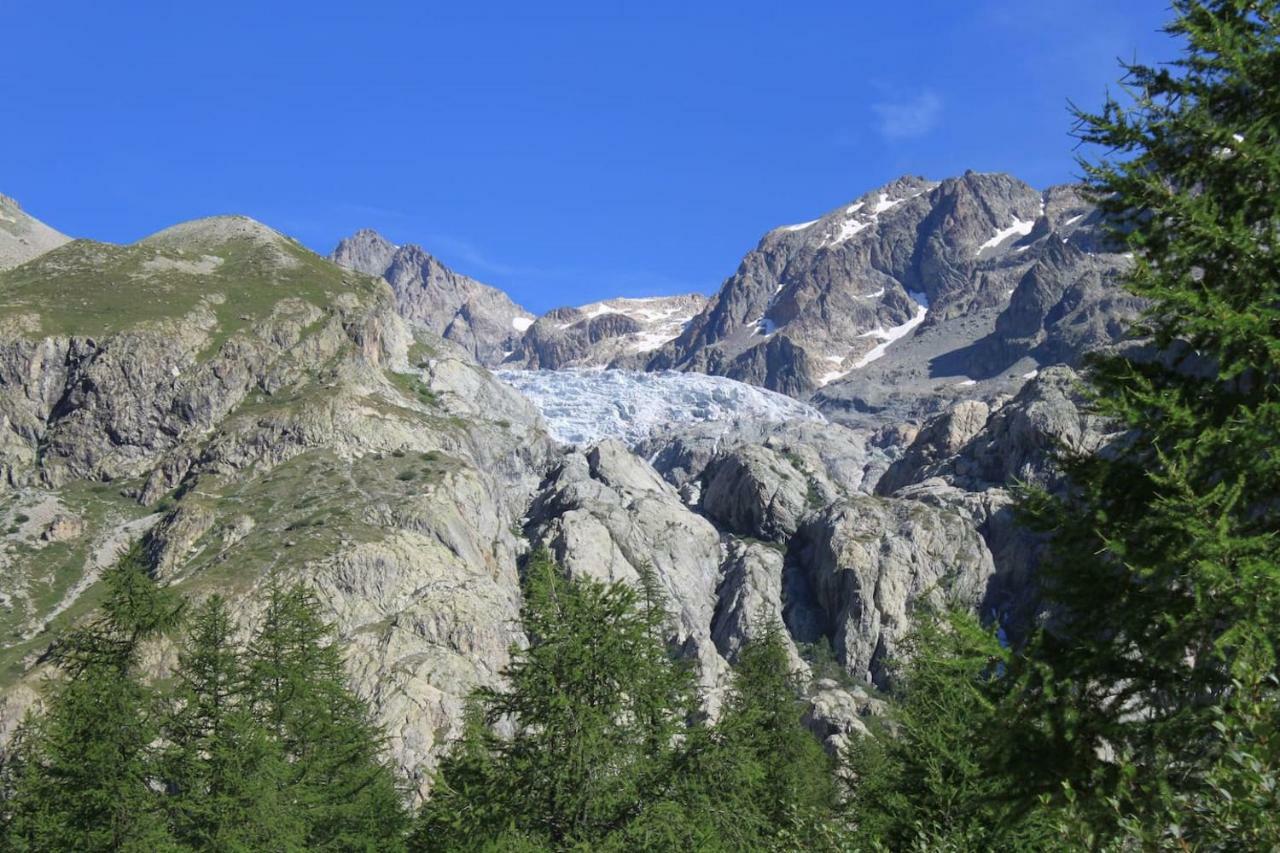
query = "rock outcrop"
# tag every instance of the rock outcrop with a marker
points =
(868, 563)
(614, 333)
(606, 514)
(481, 319)
(968, 459)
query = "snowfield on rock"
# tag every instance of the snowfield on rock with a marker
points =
(582, 407)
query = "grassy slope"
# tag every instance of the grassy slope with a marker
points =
(96, 289)
(301, 509)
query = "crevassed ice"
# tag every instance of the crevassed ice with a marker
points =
(582, 407)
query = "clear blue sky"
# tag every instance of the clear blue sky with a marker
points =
(563, 151)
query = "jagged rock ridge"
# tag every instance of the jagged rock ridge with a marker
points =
(614, 333)
(481, 319)
(916, 292)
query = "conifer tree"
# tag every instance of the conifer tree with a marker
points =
(336, 779)
(81, 774)
(597, 705)
(925, 783)
(1158, 673)
(780, 779)
(225, 773)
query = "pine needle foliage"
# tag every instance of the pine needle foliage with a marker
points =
(1155, 676)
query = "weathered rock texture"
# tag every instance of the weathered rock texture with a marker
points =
(914, 295)
(613, 333)
(240, 405)
(481, 319)
(867, 563)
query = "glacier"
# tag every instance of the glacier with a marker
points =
(583, 406)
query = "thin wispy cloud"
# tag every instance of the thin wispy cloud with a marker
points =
(910, 118)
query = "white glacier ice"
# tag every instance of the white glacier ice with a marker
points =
(582, 407)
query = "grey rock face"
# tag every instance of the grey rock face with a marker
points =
(753, 491)
(22, 236)
(914, 296)
(614, 333)
(606, 514)
(966, 460)
(834, 459)
(976, 449)
(836, 713)
(749, 595)
(870, 562)
(481, 319)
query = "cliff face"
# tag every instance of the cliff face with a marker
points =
(238, 406)
(481, 319)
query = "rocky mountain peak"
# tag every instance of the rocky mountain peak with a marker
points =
(481, 319)
(365, 251)
(618, 332)
(898, 293)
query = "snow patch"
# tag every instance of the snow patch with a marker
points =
(1021, 227)
(521, 324)
(582, 407)
(848, 229)
(888, 336)
(886, 203)
(1031, 374)
(852, 226)
(1073, 219)
(798, 227)
(765, 326)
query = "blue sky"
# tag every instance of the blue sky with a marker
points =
(562, 151)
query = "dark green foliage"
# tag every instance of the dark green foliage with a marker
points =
(297, 690)
(78, 776)
(930, 786)
(243, 752)
(1153, 691)
(595, 701)
(226, 774)
(607, 750)
(782, 776)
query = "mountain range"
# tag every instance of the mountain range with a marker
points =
(904, 297)
(400, 435)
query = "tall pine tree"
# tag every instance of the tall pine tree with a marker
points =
(225, 773)
(80, 775)
(776, 777)
(597, 705)
(925, 783)
(335, 778)
(1158, 676)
